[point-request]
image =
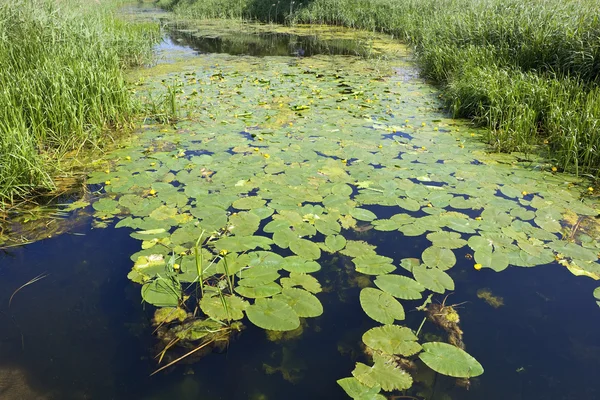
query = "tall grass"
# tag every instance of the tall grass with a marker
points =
(62, 84)
(527, 69)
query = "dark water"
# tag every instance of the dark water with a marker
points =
(263, 44)
(82, 332)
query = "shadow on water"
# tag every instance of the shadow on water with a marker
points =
(262, 44)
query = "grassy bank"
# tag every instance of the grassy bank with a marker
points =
(528, 70)
(61, 74)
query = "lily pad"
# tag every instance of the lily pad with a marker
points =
(273, 314)
(450, 360)
(400, 286)
(302, 302)
(384, 374)
(308, 282)
(362, 214)
(162, 292)
(438, 257)
(305, 248)
(381, 306)
(373, 264)
(358, 391)
(433, 279)
(392, 339)
(223, 308)
(256, 292)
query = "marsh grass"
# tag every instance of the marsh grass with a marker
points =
(63, 88)
(528, 70)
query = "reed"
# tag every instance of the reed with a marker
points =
(63, 88)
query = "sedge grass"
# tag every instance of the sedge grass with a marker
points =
(63, 88)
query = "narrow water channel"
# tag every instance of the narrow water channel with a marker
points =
(83, 332)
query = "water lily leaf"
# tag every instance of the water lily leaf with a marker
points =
(223, 308)
(165, 315)
(384, 374)
(373, 264)
(358, 391)
(257, 276)
(447, 240)
(392, 339)
(244, 223)
(239, 244)
(498, 261)
(400, 286)
(162, 292)
(328, 225)
(450, 360)
(107, 206)
(438, 257)
(357, 248)
(597, 293)
(363, 214)
(257, 292)
(342, 189)
(273, 314)
(163, 213)
(305, 248)
(335, 242)
(408, 204)
(302, 302)
(433, 279)
(299, 265)
(308, 282)
(284, 237)
(197, 329)
(249, 203)
(381, 306)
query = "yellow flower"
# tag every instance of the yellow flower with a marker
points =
(379, 147)
(176, 267)
(477, 266)
(524, 193)
(423, 148)
(590, 189)
(344, 161)
(223, 252)
(107, 183)
(256, 149)
(107, 171)
(435, 129)
(429, 205)
(423, 124)
(128, 158)
(266, 155)
(152, 192)
(406, 121)
(554, 169)
(478, 218)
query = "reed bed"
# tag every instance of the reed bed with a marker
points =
(527, 69)
(62, 84)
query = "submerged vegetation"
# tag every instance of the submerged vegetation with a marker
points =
(63, 88)
(529, 71)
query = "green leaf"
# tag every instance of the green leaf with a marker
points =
(273, 314)
(384, 374)
(498, 261)
(450, 360)
(358, 391)
(438, 257)
(257, 276)
(381, 306)
(392, 339)
(433, 279)
(249, 203)
(223, 308)
(400, 286)
(447, 240)
(299, 264)
(256, 292)
(238, 244)
(162, 292)
(308, 282)
(373, 264)
(362, 214)
(335, 242)
(305, 248)
(302, 302)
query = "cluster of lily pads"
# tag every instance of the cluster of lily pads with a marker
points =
(273, 160)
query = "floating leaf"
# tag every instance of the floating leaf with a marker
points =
(358, 391)
(256, 292)
(373, 264)
(400, 286)
(450, 360)
(362, 214)
(305, 248)
(433, 279)
(223, 308)
(162, 292)
(273, 314)
(299, 264)
(302, 302)
(249, 203)
(384, 374)
(308, 282)
(381, 306)
(335, 242)
(392, 339)
(498, 261)
(438, 257)
(447, 240)
(257, 276)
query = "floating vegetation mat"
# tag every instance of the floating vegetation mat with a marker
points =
(272, 163)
